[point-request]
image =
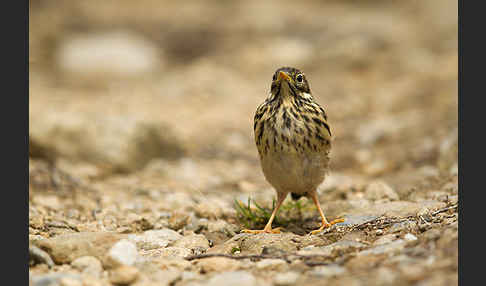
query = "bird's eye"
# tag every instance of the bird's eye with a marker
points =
(300, 78)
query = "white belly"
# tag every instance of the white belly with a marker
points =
(295, 172)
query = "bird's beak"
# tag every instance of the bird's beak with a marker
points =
(285, 76)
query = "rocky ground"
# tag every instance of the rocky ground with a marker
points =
(141, 142)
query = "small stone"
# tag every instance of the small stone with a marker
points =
(174, 251)
(209, 211)
(178, 220)
(67, 247)
(379, 232)
(164, 277)
(139, 223)
(409, 237)
(234, 278)
(54, 279)
(88, 265)
(92, 281)
(114, 53)
(68, 281)
(328, 270)
(272, 265)
(116, 142)
(404, 225)
(385, 276)
(388, 248)
(385, 239)
(154, 239)
(124, 252)
(223, 227)
(255, 244)
(124, 275)
(423, 212)
(380, 190)
(413, 272)
(163, 262)
(286, 278)
(335, 249)
(197, 224)
(218, 264)
(194, 241)
(38, 255)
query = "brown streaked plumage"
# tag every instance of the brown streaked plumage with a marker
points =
(293, 138)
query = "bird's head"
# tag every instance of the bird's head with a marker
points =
(288, 81)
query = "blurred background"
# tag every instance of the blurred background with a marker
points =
(167, 90)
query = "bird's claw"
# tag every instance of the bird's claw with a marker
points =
(326, 225)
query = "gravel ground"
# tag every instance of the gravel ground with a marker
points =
(141, 140)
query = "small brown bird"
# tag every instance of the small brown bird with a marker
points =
(293, 139)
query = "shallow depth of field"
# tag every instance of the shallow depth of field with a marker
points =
(142, 164)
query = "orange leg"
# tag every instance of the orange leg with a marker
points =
(325, 223)
(268, 227)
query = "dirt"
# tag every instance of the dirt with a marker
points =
(141, 139)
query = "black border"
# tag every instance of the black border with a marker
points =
(15, 124)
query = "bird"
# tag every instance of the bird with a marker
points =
(293, 138)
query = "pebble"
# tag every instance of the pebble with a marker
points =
(179, 220)
(124, 252)
(197, 224)
(328, 270)
(124, 275)
(272, 265)
(68, 281)
(255, 244)
(171, 262)
(54, 279)
(387, 248)
(154, 239)
(409, 237)
(223, 227)
(65, 248)
(88, 265)
(404, 225)
(218, 264)
(385, 276)
(194, 241)
(120, 53)
(165, 277)
(380, 190)
(174, 251)
(39, 256)
(234, 278)
(385, 239)
(334, 249)
(208, 210)
(286, 278)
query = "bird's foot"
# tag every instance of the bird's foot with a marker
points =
(326, 225)
(265, 230)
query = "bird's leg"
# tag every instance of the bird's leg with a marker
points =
(325, 223)
(268, 227)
